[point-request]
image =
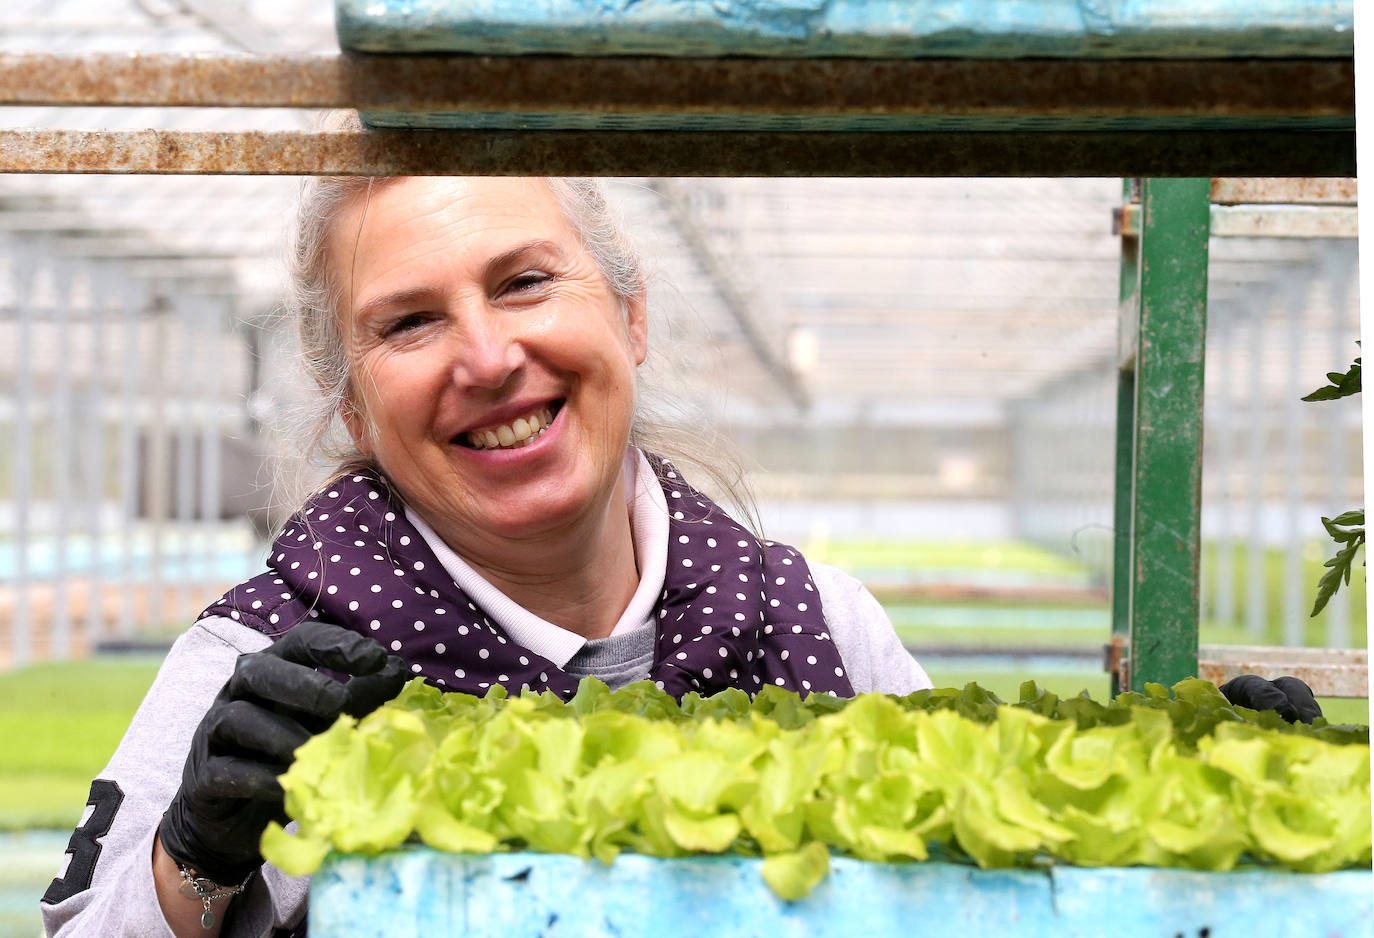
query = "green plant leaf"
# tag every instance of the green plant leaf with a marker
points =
(1342, 385)
(702, 835)
(793, 875)
(298, 855)
(1339, 569)
(442, 830)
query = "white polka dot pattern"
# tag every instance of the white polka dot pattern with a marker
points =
(734, 612)
(752, 616)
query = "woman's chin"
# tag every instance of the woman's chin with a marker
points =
(526, 525)
(536, 509)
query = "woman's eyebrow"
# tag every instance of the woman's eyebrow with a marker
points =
(505, 259)
(397, 298)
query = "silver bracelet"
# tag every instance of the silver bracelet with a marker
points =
(195, 886)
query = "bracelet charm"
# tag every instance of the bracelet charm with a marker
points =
(195, 886)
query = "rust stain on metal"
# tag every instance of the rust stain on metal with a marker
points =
(611, 84)
(1284, 191)
(605, 153)
(1285, 221)
(1113, 654)
(169, 80)
(1126, 220)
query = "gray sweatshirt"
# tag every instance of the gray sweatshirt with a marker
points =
(145, 771)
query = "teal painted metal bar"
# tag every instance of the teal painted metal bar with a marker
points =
(1166, 457)
(522, 895)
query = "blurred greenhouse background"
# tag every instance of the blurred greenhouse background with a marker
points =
(917, 376)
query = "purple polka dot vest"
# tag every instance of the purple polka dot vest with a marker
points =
(734, 612)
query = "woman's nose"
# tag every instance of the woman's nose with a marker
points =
(488, 353)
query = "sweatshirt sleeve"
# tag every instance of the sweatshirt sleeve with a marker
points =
(872, 653)
(104, 886)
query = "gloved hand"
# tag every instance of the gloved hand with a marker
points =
(273, 703)
(1289, 696)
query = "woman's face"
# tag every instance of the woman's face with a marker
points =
(493, 368)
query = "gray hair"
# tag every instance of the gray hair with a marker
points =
(316, 432)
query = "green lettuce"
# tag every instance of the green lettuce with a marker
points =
(1173, 777)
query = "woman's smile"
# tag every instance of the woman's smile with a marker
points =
(521, 433)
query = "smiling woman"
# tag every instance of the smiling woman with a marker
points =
(492, 517)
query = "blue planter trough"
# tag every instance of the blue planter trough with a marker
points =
(1102, 29)
(418, 891)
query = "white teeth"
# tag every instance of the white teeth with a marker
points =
(520, 432)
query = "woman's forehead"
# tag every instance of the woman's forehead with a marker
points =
(474, 202)
(472, 216)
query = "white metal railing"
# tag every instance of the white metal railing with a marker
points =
(1272, 466)
(119, 395)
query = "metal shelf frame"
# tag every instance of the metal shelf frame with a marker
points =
(766, 117)
(1165, 227)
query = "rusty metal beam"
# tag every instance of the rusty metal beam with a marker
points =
(604, 153)
(1284, 221)
(1331, 672)
(1284, 191)
(1197, 88)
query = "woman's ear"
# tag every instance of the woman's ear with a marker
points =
(637, 321)
(357, 427)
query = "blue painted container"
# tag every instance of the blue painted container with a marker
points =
(418, 891)
(882, 28)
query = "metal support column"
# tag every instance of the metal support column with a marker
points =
(1129, 229)
(1166, 454)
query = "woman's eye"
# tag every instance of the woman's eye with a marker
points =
(527, 281)
(404, 324)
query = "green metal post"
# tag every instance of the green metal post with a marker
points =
(1167, 457)
(1128, 224)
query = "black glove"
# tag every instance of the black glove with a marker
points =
(1290, 697)
(273, 703)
